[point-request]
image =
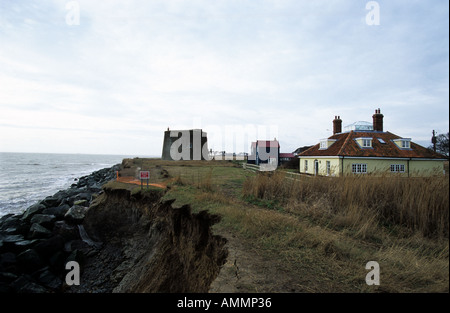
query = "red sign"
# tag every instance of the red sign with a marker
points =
(144, 175)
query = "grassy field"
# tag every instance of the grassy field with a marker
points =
(317, 234)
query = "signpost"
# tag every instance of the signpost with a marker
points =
(144, 175)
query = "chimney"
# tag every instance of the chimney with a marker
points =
(378, 120)
(337, 125)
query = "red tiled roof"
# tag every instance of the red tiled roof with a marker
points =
(286, 155)
(345, 145)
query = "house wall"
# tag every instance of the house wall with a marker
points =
(374, 166)
(334, 166)
(426, 168)
(412, 168)
(377, 166)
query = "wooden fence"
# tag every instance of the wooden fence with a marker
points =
(251, 167)
(257, 168)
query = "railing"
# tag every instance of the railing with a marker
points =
(293, 176)
(251, 167)
(267, 167)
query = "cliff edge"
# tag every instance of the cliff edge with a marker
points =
(149, 246)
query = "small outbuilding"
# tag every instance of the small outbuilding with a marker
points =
(265, 151)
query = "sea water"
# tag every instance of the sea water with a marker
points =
(26, 178)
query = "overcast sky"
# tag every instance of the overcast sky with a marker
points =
(109, 77)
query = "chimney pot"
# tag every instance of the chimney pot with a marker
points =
(337, 125)
(377, 120)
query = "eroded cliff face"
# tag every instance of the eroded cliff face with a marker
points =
(148, 246)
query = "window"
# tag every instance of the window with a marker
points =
(364, 142)
(359, 168)
(381, 140)
(397, 168)
(403, 143)
(326, 143)
(367, 143)
(328, 167)
(306, 165)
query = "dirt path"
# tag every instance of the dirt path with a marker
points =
(132, 180)
(247, 271)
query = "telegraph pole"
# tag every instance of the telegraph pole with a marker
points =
(433, 140)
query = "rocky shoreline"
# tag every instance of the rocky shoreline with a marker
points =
(122, 241)
(35, 245)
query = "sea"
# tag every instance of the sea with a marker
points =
(26, 178)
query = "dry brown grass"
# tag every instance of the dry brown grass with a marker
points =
(363, 203)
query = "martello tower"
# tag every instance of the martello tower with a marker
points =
(185, 144)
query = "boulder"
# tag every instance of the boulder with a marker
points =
(83, 196)
(13, 225)
(25, 284)
(49, 280)
(75, 214)
(45, 220)
(56, 262)
(77, 256)
(96, 187)
(34, 209)
(82, 182)
(51, 201)
(58, 211)
(7, 277)
(7, 259)
(22, 245)
(68, 232)
(38, 231)
(29, 261)
(81, 202)
(5, 217)
(9, 241)
(46, 248)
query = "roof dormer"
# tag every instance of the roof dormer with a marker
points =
(364, 142)
(402, 143)
(326, 143)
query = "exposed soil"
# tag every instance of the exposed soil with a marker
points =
(148, 246)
